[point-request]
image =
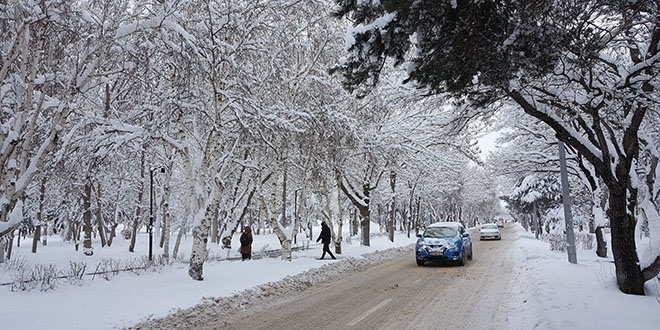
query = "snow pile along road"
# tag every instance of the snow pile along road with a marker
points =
(263, 296)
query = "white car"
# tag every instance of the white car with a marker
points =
(489, 231)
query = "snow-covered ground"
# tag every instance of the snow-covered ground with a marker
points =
(547, 292)
(550, 293)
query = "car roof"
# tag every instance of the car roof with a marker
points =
(445, 224)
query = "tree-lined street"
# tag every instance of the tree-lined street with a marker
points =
(184, 123)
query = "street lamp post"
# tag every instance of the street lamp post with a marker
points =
(568, 217)
(150, 228)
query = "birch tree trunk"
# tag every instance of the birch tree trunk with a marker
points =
(177, 243)
(206, 204)
(301, 200)
(3, 247)
(138, 208)
(340, 222)
(215, 228)
(165, 214)
(392, 215)
(268, 206)
(200, 235)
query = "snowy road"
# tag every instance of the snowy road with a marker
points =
(395, 294)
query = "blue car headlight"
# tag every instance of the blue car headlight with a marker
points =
(420, 245)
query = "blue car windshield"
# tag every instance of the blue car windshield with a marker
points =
(440, 232)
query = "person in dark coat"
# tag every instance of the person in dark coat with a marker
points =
(325, 238)
(246, 243)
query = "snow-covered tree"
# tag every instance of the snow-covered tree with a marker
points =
(535, 195)
(530, 147)
(54, 56)
(587, 69)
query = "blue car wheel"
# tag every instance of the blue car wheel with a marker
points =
(462, 261)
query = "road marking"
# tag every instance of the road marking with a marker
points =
(369, 312)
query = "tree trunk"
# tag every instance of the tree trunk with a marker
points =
(286, 250)
(340, 223)
(209, 174)
(355, 222)
(285, 222)
(268, 205)
(177, 243)
(299, 201)
(411, 210)
(200, 241)
(44, 236)
(138, 208)
(271, 205)
(418, 215)
(37, 230)
(202, 231)
(88, 250)
(72, 233)
(392, 216)
(134, 228)
(215, 230)
(628, 274)
(10, 240)
(601, 245)
(165, 215)
(379, 219)
(362, 202)
(113, 233)
(365, 226)
(351, 222)
(3, 248)
(537, 222)
(100, 222)
(36, 238)
(201, 234)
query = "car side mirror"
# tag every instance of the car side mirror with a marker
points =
(419, 235)
(466, 234)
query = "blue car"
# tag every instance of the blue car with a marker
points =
(444, 241)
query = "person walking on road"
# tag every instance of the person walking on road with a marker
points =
(246, 243)
(325, 238)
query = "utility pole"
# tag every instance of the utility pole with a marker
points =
(570, 236)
